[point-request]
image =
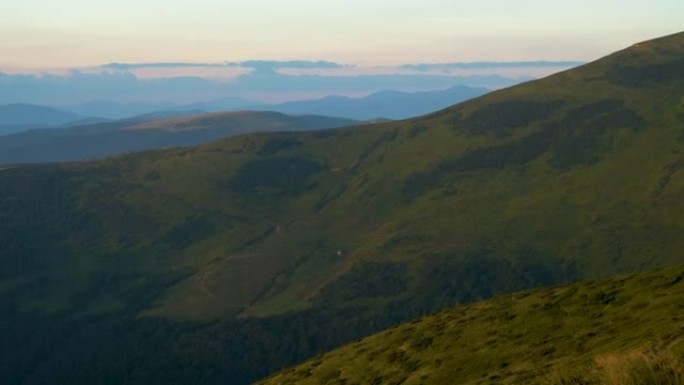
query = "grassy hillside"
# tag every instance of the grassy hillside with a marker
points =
(575, 176)
(147, 132)
(623, 330)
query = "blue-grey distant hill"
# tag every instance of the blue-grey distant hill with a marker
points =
(19, 117)
(116, 110)
(384, 104)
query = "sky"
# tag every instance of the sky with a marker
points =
(67, 52)
(83, 33)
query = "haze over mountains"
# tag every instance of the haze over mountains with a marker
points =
(225, 262)
(263, 81)
(72, 137)
(386, 104)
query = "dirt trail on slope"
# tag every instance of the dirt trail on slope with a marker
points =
(209, 270)
(277, 231)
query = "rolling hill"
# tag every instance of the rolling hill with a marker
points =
(228, 261)
(146, 132)
(623, 330)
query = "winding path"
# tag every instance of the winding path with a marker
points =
(210, 269)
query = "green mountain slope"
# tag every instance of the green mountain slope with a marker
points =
(147, 132)
(587, 333)
(256, 241)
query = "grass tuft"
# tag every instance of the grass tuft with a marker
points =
(640, 367)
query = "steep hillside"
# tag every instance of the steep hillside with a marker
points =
(575, 176)
(571, 177)
(151, 131)
(628, 327)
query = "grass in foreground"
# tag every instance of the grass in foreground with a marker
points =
(652, 365)
(623, 330)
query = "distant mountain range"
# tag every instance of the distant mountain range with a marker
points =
(116, 110)
(32, 133)
(384, 104)
(150, 131)
(21, 117)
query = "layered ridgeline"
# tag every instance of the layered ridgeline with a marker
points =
(228, 261)
(624, 330)
(384, 104)
(88, 141)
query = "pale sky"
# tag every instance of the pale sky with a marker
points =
(81, 33)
